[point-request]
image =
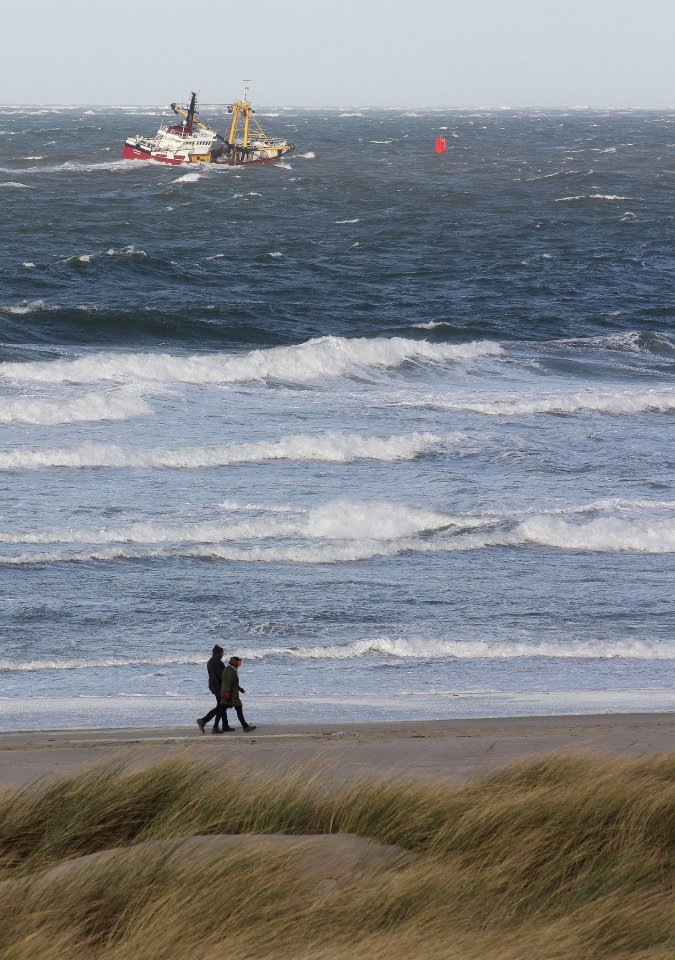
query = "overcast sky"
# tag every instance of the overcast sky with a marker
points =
(436, 53)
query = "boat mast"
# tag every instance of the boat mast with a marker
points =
(189, 119)
(240, 110)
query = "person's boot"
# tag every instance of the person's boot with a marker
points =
(249, 726)
(201, 725)
(216, 730)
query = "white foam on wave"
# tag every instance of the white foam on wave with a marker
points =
(128, 251)
(551, 176)
(310, 155)
(620, 402)
(355, 220)
(73, 166)
(338, 520)
(593, 196)
(309, 362)
(338, 553)
(432, 325)
(630, 341)
(380, 648)
(432, 649)
(13, 184)
(93, 407)
(602, 534)
(28, 306)
(188, 178)
(237, 506)
(358, 533)
(82, 663)
(327, 447)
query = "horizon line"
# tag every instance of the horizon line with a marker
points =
(311, 107)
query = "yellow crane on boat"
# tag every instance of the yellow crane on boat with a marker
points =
(247, 137)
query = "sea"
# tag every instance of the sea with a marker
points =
(395, 427)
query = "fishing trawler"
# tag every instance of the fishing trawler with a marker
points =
(192, 141)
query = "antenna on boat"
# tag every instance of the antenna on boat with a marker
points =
(245, 97)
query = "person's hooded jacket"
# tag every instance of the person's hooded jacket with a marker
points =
(229, 690)
(215, 667)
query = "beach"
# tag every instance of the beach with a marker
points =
(453, 750)
(439, 839)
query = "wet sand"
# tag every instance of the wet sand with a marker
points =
(447, 749)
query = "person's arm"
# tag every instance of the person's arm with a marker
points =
(226, 687)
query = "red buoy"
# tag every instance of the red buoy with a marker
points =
(440, 145)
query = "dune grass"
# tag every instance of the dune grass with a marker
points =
(566, 858)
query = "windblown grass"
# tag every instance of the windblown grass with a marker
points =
(566, 858)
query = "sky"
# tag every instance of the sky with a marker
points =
(386, 53)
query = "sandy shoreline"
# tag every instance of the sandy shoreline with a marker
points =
(448, 749)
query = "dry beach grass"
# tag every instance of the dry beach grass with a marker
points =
(566, 857)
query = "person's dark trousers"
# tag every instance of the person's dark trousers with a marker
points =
(219, 712)
(240, 716)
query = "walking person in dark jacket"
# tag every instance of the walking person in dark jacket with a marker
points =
(215, 669)
(230, 690)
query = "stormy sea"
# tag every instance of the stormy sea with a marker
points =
(394, 426)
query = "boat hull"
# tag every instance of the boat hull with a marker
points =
(136, 152)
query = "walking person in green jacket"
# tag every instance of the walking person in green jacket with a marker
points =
(230, 690)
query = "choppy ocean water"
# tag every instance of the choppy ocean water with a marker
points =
(395, 427)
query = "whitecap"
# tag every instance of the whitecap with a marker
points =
(603, 534)
(314, 361)
(91, 407)
(617, 403)
(331, 447)
(129, 251)
(426, 648)
(28, 306)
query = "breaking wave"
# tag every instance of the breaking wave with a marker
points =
(631, 341)
(428, 649)
(314, 360)
(618, 402)
(602, 534)
(388, 648)
(38, 666)
(338, 520)
(329, 447)
(122, 405)
(342, 531)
